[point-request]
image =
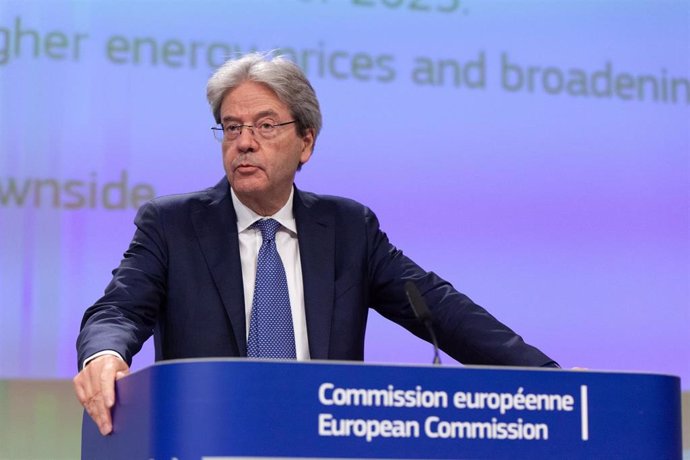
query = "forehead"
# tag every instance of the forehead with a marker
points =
(250, 99)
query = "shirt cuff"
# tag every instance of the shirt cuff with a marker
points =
(101, 353)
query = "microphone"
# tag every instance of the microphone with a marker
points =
(421, 311)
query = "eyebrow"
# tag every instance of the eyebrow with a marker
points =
(259, 115)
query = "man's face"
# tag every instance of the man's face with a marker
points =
(261, 171)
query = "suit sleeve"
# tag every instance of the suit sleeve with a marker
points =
(124, 318)
(466, 331)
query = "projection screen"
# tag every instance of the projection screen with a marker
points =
(534, 154)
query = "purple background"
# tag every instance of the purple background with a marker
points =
(567, 217)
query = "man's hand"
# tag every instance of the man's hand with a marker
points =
(95, 388)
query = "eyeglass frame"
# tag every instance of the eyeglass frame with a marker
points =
(221, 129)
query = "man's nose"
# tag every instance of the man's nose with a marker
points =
(246, 140)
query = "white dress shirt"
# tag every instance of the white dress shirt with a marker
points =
(288, 248)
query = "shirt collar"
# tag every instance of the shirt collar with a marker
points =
(246, 217)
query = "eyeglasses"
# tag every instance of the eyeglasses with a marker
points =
(232, 131)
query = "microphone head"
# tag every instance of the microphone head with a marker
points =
(423, 314)
(417, 302)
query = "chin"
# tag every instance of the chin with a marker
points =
(248, 186)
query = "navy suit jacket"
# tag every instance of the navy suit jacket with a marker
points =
(181, 279)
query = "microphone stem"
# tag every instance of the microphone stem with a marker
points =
(434, 341)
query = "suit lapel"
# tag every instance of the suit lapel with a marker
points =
(316, 235)
(215, 224)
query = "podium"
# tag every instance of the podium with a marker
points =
(217, 409)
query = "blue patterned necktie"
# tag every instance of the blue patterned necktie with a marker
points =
(271, 334)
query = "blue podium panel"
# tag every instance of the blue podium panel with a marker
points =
(221, 409)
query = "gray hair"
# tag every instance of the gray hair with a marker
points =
(282, 76)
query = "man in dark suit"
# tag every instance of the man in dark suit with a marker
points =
(193, 273)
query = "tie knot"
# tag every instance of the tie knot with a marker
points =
(268, 228)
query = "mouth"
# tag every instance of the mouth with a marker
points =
(246, 168)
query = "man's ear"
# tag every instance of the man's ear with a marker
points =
(307, 146)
